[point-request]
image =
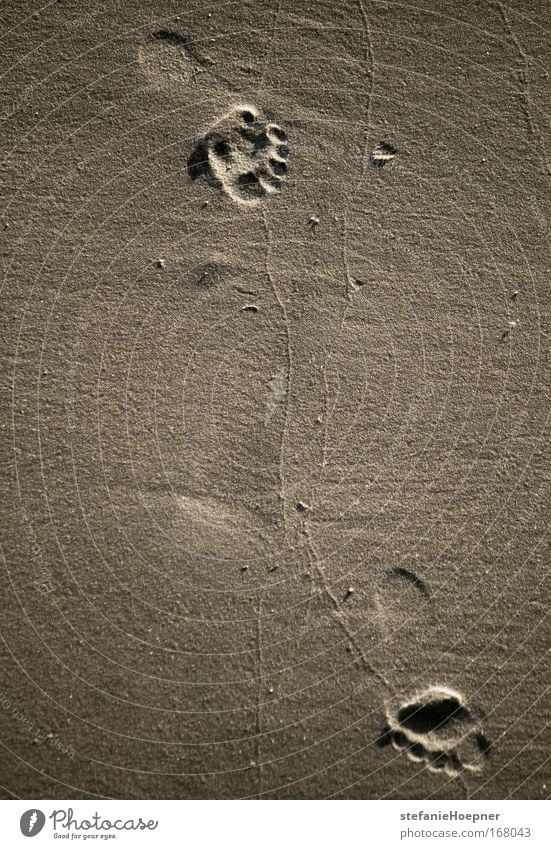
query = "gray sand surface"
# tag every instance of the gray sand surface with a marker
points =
(276, 290)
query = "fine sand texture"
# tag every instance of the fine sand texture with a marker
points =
(276, 302)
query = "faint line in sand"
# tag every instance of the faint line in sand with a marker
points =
(270, 46)
(259, 696)
(340, 616)
(370, 67)
(283, 311)
(523, 65)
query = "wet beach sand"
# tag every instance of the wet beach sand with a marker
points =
(276, 399)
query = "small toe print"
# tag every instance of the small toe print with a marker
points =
(275, 183)
(483, 744)
(250, 183)
(417, 752)
(399, 740)
(242, 155)
(276, 131)
(222, 148)
(438, 760)
(279, 168)
(384, 738)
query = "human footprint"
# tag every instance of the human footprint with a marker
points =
(243, 155)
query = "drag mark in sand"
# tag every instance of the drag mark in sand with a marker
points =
(242, 154)
(523, 65)
(279, 387)
(348, 277)
(268, 55)
(259, 697)
(329, 409)
(349, 283)
(277, 394)
(370, 70)
(437, 729)
(323, 587)
(288, 370)
(326, 418)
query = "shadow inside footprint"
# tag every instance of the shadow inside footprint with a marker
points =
(250, 184)
(483, 744)
(198, 162)
(170, 37)
(433, 716)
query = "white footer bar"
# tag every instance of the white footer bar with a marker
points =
(276, 825)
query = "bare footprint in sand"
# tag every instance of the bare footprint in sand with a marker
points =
(401, 599)
(166, 60)
(437, 728)
(200, 542)
(433, 727)
(243, 155)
